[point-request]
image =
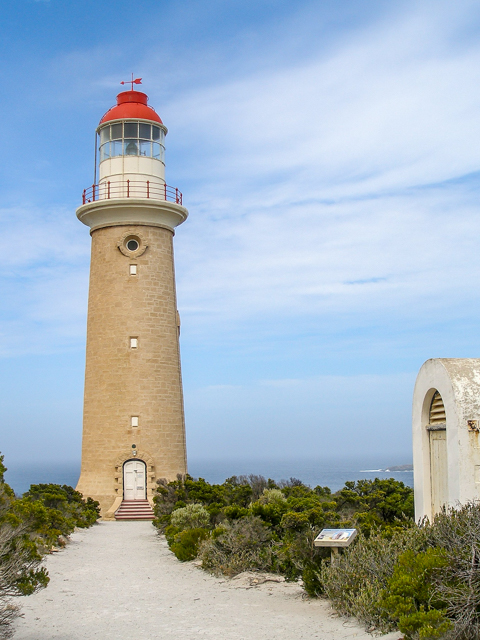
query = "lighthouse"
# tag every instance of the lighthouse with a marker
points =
(133, 421)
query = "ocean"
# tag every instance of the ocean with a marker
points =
(326, 472)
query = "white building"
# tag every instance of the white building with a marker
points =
(446, 446)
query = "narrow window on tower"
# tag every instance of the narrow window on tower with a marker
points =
(134, 421)
(133, 343)
(133, 269)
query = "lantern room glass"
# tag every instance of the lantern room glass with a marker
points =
(132, 138)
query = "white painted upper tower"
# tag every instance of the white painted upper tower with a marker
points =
(131, 166)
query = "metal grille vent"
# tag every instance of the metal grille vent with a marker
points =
(437, 410)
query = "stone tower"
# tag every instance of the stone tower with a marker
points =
(133, 424)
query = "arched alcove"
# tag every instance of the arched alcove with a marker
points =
(437, 426)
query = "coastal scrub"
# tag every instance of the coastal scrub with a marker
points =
(29, 527)
(254, 523)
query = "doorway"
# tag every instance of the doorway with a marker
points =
(438, 469)
(134, 480)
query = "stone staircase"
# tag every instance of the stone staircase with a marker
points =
(134, 510)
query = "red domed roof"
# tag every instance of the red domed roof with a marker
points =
(131, 105)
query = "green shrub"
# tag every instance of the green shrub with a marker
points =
(186, 543)
(271, 513)
(192, 516)
(272, 496)
(170, 533)
(425, 625)
(234, 512)
(20, 557)
(295, 554)
(360, 575)
(323, 492)
(312, 580)
(377, 504)
(63, 510)
(294, 521)
(409, 598)
(215, 498)
(243, 545)
(457, 531)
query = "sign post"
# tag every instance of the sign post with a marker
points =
(335, 538)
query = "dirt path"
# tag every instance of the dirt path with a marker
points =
(119, 581)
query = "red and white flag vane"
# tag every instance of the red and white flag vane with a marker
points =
(132, 81)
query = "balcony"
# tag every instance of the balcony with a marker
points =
(131, 189)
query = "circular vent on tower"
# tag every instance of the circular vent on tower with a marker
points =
(132, 245)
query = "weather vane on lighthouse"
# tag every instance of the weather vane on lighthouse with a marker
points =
(132, 81)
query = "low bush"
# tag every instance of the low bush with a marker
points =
(383, 504)
(357, 581)
(272, 496)
(410, 598)
(215, 498)
(243, 545)
(185, 543)
(424, 580)
(65, 510)
(29, 527)
(457, 584)
(20, 573)
(193, 516)
(312, 580)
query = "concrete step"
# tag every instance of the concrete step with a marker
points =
(134, 517)
(134, 510)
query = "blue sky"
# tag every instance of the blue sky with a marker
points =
(328, 155)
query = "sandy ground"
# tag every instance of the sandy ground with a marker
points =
(118, 580)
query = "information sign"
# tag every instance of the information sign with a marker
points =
(335, 537)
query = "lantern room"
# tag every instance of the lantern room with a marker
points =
(129, 138)
(131, 149)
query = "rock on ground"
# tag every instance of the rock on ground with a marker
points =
(119, 580)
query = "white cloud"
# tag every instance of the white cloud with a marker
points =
(392, 108)
(309, 183)
(43, 281)
(402, 257)
(320, 188)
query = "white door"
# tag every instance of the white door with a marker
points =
(438, 469)
(134, 480)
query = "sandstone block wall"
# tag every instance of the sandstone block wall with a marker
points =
(122, 382)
